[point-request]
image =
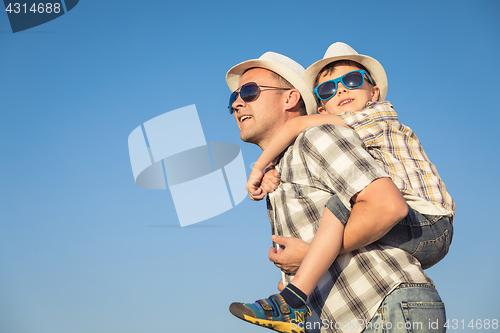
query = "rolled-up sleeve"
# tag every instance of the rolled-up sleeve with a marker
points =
(373, 124)
(335, 156)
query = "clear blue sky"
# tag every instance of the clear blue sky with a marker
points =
(83, 249)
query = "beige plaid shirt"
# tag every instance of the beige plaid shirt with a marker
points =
(399, 152)
(324, 160)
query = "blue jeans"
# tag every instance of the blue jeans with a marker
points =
(409, 308)
(426, 237)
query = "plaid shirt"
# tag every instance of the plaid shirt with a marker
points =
(399, 152)
(324, 160)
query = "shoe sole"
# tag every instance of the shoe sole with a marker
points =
(280, 326)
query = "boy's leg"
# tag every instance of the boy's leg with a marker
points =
(426, 237)
(323, 250)
(286, 312)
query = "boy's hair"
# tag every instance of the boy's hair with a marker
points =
(330, 68)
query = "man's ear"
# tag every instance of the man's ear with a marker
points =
(292, 99)
(375, 93)
(322, 110)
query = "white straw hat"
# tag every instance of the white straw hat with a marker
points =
(285, 67)
(342, 51)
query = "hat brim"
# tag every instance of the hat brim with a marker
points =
(233, 77)
(376, 70)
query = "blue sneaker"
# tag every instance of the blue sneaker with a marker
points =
(273, 313)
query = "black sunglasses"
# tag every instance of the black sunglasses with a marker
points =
(249, 92)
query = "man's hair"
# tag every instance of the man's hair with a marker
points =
(285, 84)
(330, 68)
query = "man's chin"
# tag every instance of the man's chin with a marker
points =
(249, 140)
(246, 138)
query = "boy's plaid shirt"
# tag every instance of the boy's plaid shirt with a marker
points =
(399, 152)
(325, 160)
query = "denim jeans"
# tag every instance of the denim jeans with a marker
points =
(409, 308)
(426, 237)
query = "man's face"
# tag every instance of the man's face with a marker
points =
(347, 99)
(259, 119)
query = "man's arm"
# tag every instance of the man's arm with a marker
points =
(376, 210)
(378, 203)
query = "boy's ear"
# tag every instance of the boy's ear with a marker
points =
(375, 93)
(292, 98)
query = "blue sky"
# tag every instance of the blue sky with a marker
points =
(83, 249)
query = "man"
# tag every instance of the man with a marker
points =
(323, 161)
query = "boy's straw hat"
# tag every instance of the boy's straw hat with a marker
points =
(342, 51)
(285, 67)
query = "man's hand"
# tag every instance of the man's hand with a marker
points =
(289, 258)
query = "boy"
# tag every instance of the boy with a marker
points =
(348, 95)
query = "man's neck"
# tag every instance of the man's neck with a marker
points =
(288, 115)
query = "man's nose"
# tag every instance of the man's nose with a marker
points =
(238, 104)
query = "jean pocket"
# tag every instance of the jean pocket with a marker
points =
(424, 316)
(431, 252)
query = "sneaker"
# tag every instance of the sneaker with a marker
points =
(273, 313)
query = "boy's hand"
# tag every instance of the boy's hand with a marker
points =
(257, 194)
(253, 186)
(259, 185)
(271, 180)
(280, 285)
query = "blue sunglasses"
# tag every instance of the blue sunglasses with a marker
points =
(351, 80)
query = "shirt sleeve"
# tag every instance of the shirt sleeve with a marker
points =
(372, 123)
(335, 157)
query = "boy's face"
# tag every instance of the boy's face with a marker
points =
(347, 99)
